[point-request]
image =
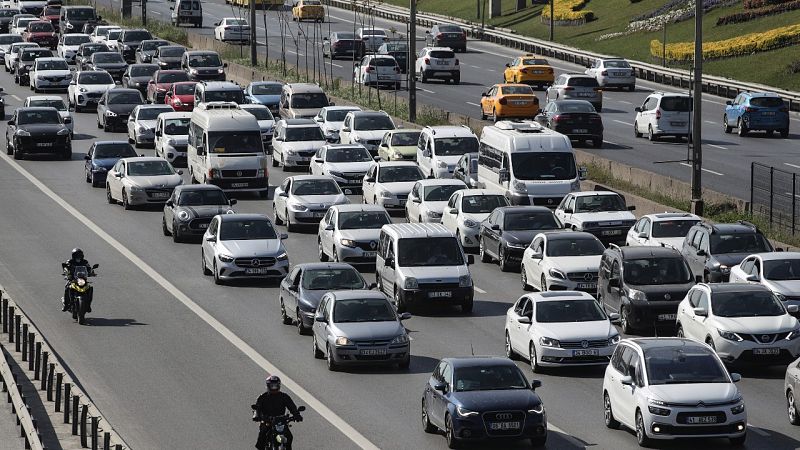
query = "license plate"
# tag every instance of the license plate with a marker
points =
(370, 254)
(160, 194)
(678, 124)
(590, 352)
(701, 419)
(185, 13)
(519, 102)
(768, 113)
(665, 317)
(256, 270)
(587, 285)
(238, 185)
(44, 144)
(580, 131)
(440, 294)
(372, 351)
(766, 351)
(504, 425)
(538, 72)
(441, 63)
(319, 215)
(203, 225)
(610, 232)
(620, 74)
(585, 94)
(383, 77)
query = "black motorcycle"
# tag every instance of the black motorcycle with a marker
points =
(278, 428)
(80, 290)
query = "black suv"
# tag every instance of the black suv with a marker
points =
(38, 130)
(509, 230)
(644, 284)
(129, 41)
(712, 249)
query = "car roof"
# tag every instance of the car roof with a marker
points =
(669, 94)
(262, 83)
(252, 106)
(112, 142)
(418, 230)
(404, 130)
(143, 159)
(441, 182)
(215, 84)
(556, 235)
(778, 256)
(479, 361)
(382, 164)
(648, 343)
(736, 287)
(355, 294)
(45, 97)
(511, 209)
(51, 58)
(350, 207)
(118, 89)
(761, 94)
(37, 108)
(324, 265)
(433, 49)
(449, 131)
(176, 115)
(554, 296)
(243, 216)
(197, 187)
(299, 122)
(590, 193)
(341, 146)
(672, 216)
(154, 106)
(641, 251)
(311, 178)
(202, 52)
(368, 113)
(341, 108)
(729, 228)
(478, 192)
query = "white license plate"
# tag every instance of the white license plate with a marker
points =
(256, 270)
(441, 63)
(585, 94)
(372, 351)
(370, 254)
(538, 72)
(701, 419)
(766, 351)
(580, 131)
(238, 185)
(504, 425)
(610, 232)
(678, 124)
(160, 194)
(384, 77)
(519, 102)
(665, 317)
(203, 225)
(620, 74)
(590, 352)
(768, 113)
(587, 285)
(44, 144)
(440, 294)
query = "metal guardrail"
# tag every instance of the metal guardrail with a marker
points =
(773, 197)
(19, 405)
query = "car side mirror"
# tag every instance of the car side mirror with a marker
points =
(211, 238)
(180, 172)
(503, 175)
(416, 200)
(524, 320)
(11, 122)
(329, 227)
(293, 287)
(536, 384)
(496, 227)
(172, 8)
(792, 309)
(632, 208)
(700, 312)
(441, 387)
(753, 278)
(453, 211)
(536, 256)
(73, 83)
(158, 133)
(404, 316)
(583, 172)
(320, 319)
(283, 236)
(728, 102)
(216, 24)
(369, 180)
(470, 260)
(735, 377)
(331, 104)
(225, 65)
(484, 94)
(702, 252)
(169, 203)
(637, 109)
(614, 282)
(388, 262)
(614, 318)
(95, 266)
(346, 129)
(567, 210)
(283, 194)
(87, 157)
(372, 286)
(233, 201)
(627, 380)
(642, 235)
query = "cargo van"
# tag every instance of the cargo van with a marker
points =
(529, 164)
(187, 11)
(302, 100)
(225, 149)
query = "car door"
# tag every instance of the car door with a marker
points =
(612, 294)
(537, 247)
(491, 233)
(368, 185)
(565, 209)
(158, 139)
(633, 234)
(740, 272)
(686, 312)
(132, 124)
(316, 164)
(280, 198)
(388, 271)
(115, 180)
(697, 324)
(690, 248)
(169, 210)
(450, 213)
(326, 235)
(519, 333)
(732, 110)
(626, 402)
(319, 329)
(344, 133)
(87, 164)
(431, 394)
(292, 292)
(441, 400)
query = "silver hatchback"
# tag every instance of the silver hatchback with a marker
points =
(576, 86)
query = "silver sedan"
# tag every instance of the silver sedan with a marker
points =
(305, 199)
(349, 233)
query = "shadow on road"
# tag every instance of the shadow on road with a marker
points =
(104, 322)
(481, 308)
(419, 364)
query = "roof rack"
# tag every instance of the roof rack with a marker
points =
(708, 225)
(218, 105)
(522, 126)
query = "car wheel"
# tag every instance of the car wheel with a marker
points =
(285, 317)
(289, 226)
(482, 252)
(742, 128)
(725, 125)
(335, 254)
(276, 219)
(18, 155)
(427, 426)
(449, 434)
(650, 134)
(503, 260)
(301, 328)
(106, 127)
(217, 280)
(109, 198)
(483, 114)
(322, 256)
(423, 78)
(203, 263)
(399, 304)
(791, 407)
(543, 284)
(636, 132)
(641, 432)
(608, 413)
(125, 205)
(9, 151)
(624, 323)
(494, 114)
(317, 352)
(785, 133)
(176, 235)
(533, 359)
(679, 332)
(510, 353)
(523, 276)
(95, 182)
(164, 227)
(330, 362)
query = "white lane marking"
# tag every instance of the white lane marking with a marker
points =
(792, 165)
(224, 331)
(717, 146)
(336, 65)
(758, 430)
(480, 291)
(711, 122)
(156, 13)
(491, 70)
(624, 123)
(477, 67)
(704, 169)
(425, 90)
(572, 439)
(612, 143)
(473, 104)
(14, 96)
(623, 101)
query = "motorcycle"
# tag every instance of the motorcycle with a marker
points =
(278, 427)
(80, 290)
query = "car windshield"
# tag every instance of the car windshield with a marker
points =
(568, 311)
(372, 122)
(336, 115)
(296, 134)
(684, 364)
(115, 150)
(103, 31)
(236, 22)
(363, 220)
(209, 60)
(89, 50)
(576, 107)
(81, 14)
(137, 35)
(143, 70)
(7, 12)
(152, 113)
(482, 204)
(51, 11)
(76, 39)
(240, 142)
(38, 116)
(40, 27)
(332, 279)
(171, 51)
(405, 139)
(202, 197)
(617, 64)
(672, 228)
(534, 62)
(266, 89)
(449, 29)
(95, 78)
(455, 146)
(651, 271)
(746, 304)
(441, 193)
(574, 247)
(119, 98)
(315, 187)
(442, 54)
(517, 90)
(739, 243)
(174, 127)
(373, 32)
(766, 102)
(172, 77)
(399, 174)
(597, 203)
(23, 22)
(56, 103)
(152, 45)
(260, 113)
(113, 35)
(108, 58)
(309, 101)
(682, 103)
(31, 55)
(530, 220)
(363, 310)
(184, 89)
(582, 82)
(488, 378)
(246, 229)
(149, 168)
(20, 47)
(347, 154)
(429, 251)
(782, 269)
(227, 95)
(7, 39)
(543, 165)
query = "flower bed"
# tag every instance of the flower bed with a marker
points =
(751, 14)
(568, 11)
(740, 45)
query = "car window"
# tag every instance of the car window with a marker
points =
(332, 279)
(702, 300)
(520, 306)
(747, 265)
(447, 375)
(480, 378)
(697, 238)
(694, 297)
(294, 278)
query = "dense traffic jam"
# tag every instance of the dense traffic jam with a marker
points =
(428, 202)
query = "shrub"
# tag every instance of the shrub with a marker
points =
(755, 4)
(569, 11)
(756, 13)
(740, 45)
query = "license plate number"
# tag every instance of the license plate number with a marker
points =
(440, 294)
(587, 285)
(620, 74)
(238, 185)
(441, 63)
(256, 270)
(370, 254)
(768, 113)
(519, 102)
(701, 419)
(44, 144)
(538, 72)
(665, 317)
(203, 225)
(160, 194)
(504, 426)
(585, 94)
(590, 352)
(319, 215)
(383, 77)
(373, 351)
(766, 351)
(580, 131)
(610, 232)
(185, 13)
(678, 124)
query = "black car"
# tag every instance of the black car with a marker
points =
(129, 41)
(168, 57)
(73, 19)
(147, 48)
(115, 107)
(137, 76)
(2, 106)
(111, 62)
(644, 284)
(38, 130)
(342, 45)
(190, 209)
(483, 398)
(24, 64)
(85, 51)
(6, 14)
(711, 249)
(509, 230)
(575, 118)
(452, 36)
(102, 156)
(398, 50)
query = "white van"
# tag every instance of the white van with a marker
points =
(421, 264)
(439, 149)
(529, 164)
(187, 11)
(225, 148)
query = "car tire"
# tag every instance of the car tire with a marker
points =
(125, 204)
(106, 127)
(109, 198)
(742, 128)
(651, 136)
(206, 272)
(321, 252)
(641, 431)
(483, 115)
(17, 153)
(791, 408)
(543, 284)
(456, 80)
(510, 353)
(502, 260)
(329, 360)
(217, 279)
(785, 133)
(727, 128)
(317, 352)
(624, 323)
(636, 130)
(679, 332)
(423, 78)
(427, 426)
(95, 182)
(399, 304)
(164, 228)
(276, 219)
(523, 276)
(608, 413)
(285, 319)
(533, 359)
(9, 150)
(452, 441)
(485, 258)
(289, 226)
(301, 328)
(275, 162)
(176, 235)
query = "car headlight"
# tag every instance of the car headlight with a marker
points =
(464, 412)
(738, 409)
(348, 243)
(225, 258)
(110, 113)
(793, 335)
(729, 335)
(469, 223)
(613, 340)
(441, 165)
(193, 71)
(555, 273)
(386, 194)
(22, 133)
(142, 129)
(136, 189)
(342, 341)
(411, 283)
(464, 281)
(63, 132)
(433, 214)
(126, 47)
(549, 342)
(83, 89)
(178, 102)
(538, 409)
(516, 245)
(170, 141)
(402, 339)
(290, 152)
(183, 216)
(283, 256)
(298, 208)
(220, 71)
(656, 407)
(638, 296)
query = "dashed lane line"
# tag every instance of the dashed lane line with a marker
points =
(14, 96)
(480, 291)
(473, 104)
(704, 169)
(623, 122)
(717, 146)
(791, 165)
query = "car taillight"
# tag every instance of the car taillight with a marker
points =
(569, 88)
(750, 109)
(456, 61)
(595, 118)
(503, 101)
(597, 89)
(604, 73)
(439, 35)
(427, 60)
(658, 114)
(370, 69)
(556, 118)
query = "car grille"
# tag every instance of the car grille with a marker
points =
(94, 95)
(766, 338)
(32, 142)
(550, 202)
(306, 153)
(596, 343)
(372, 344)
(252, 183)
(200, 224)
(370, 246)
(684, 416)
(249, 173)
(353, 176)
(438, 286)
(180, 148)
(255, 262)
(583, 276)
(503, 416)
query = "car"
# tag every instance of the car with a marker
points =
(560, 329)
(172, 136)
(741, 322)
(465, 211)
(42, 33)
(372, 38)
(12, 55)
(187, 11)
(137, 76)
(612, 72)
(88, 87)
(778, 271)
(388, 183)
(295, 141)
(73, 19)
(265, 121)
(129, 42)
(190, 209)
(509, 101)
(602, 213)
(168, 57)
(203, 65)
(399, 144)
(366, 128)
(756, 111)
(377, 70)
(483, 399)
(360, 327)
(7, 13)
(349, 233)
(447, 35)
(562, 261)
(100, 32)
(38, 130)
(232, 29)
(54, 101)
(19, 23)
(711, 249)
(791, 384)
(25, 62)
(308, 10)
(345, 163)
(330, 119)
(672, 388)
(302, 290)
(302, 100)
(112, 39)
(576, 86)
(68, 45)
(147, 48)
(529, 69)
(243, 246)
(112, 62)
(437, 63)
(662, 229)
(218, 91)
(180, 96)
(397, 50)
(428, 198)
(575, 118)
(142, 124)
(143, 180)
(644, 285)
(85, 51)
(342, 44)
(466, 169)
(115, 106)
(6, 40)
(509, 230)
(160, 82)
(664, 114)
(305, 199)
(440, 147)
(102, 156)
(267, 93)
(52, 13)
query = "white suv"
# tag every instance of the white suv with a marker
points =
(663, 229)
(602, 213)
(366, 128)
(377, 70)
(437, 63)
(663, 114)
(440, 148)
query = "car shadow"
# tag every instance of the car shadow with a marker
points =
(481, 308)
(614, 111)
(82, 136)
(252, 282)
(759, 371)
(585, 372)
(107, 322)
(419, 365)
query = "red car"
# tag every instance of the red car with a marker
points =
(42, 33)
(161, 82)
(51, 14)
(181, 96)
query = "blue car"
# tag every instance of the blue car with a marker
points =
(102, 155)
(483, 398)
(762, 111)
(264, 93)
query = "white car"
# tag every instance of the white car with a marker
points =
(366, 128)
(465, 211)
(232, 29)
(142, 123)
(742, 322)
(50, 74)
(5, 42)
(172, 136)
(112, 39)
(20, 23)
(377, 70)
(778, 271)
(373, 38)
(562, 260)
(662, 229)
(602, 213)
(12, 55)
(330, 119)
(345, 163)
(100, 33)
(349, 233)
(668, 388)
(68, 45)
(305, 199)
(566, 328)
(141, 181)
(88, 87)
(266, 121)
(437, 63)
(53, 101)
(440, 147)
(428, 198)
(663, 114)
(388, 183)
(613, 72)
(295, 141)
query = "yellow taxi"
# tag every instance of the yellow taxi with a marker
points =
(509, 101)
(308, 10)
(529, 69)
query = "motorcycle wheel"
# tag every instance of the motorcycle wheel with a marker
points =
(82, 308)
(75, 307)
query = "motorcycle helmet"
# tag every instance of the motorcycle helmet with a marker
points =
(77, 254)
(273, 383)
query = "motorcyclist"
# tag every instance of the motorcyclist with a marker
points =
(270, 404)
(76, 259)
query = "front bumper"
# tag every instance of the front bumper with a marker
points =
(562, 357)
(645, 315)
(745, 351)
(230, 271)
(354, 354)
(478, 427)
(469, 236)
(675, 424)
(193, 227)
(115, 122)
(392, 202)
(551, 202)
(434, 294)
(175, 154)
(149, 196)
(43, 84)
(306, 217)
(356, 255)
(560, 284)
(29, 145)
(87, 99)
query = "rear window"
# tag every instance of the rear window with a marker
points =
(40, 27)
(450, 29)
(143, 71)
(383, 62)
(517, 90)
(442, 54)
(676, 104)
(766, 102)
(7, 39)
(582, 81)
(534, 62)
(617, 64)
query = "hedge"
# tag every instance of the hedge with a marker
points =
(755, 4)
(756, 13)
(569, 10)
(740, 45)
